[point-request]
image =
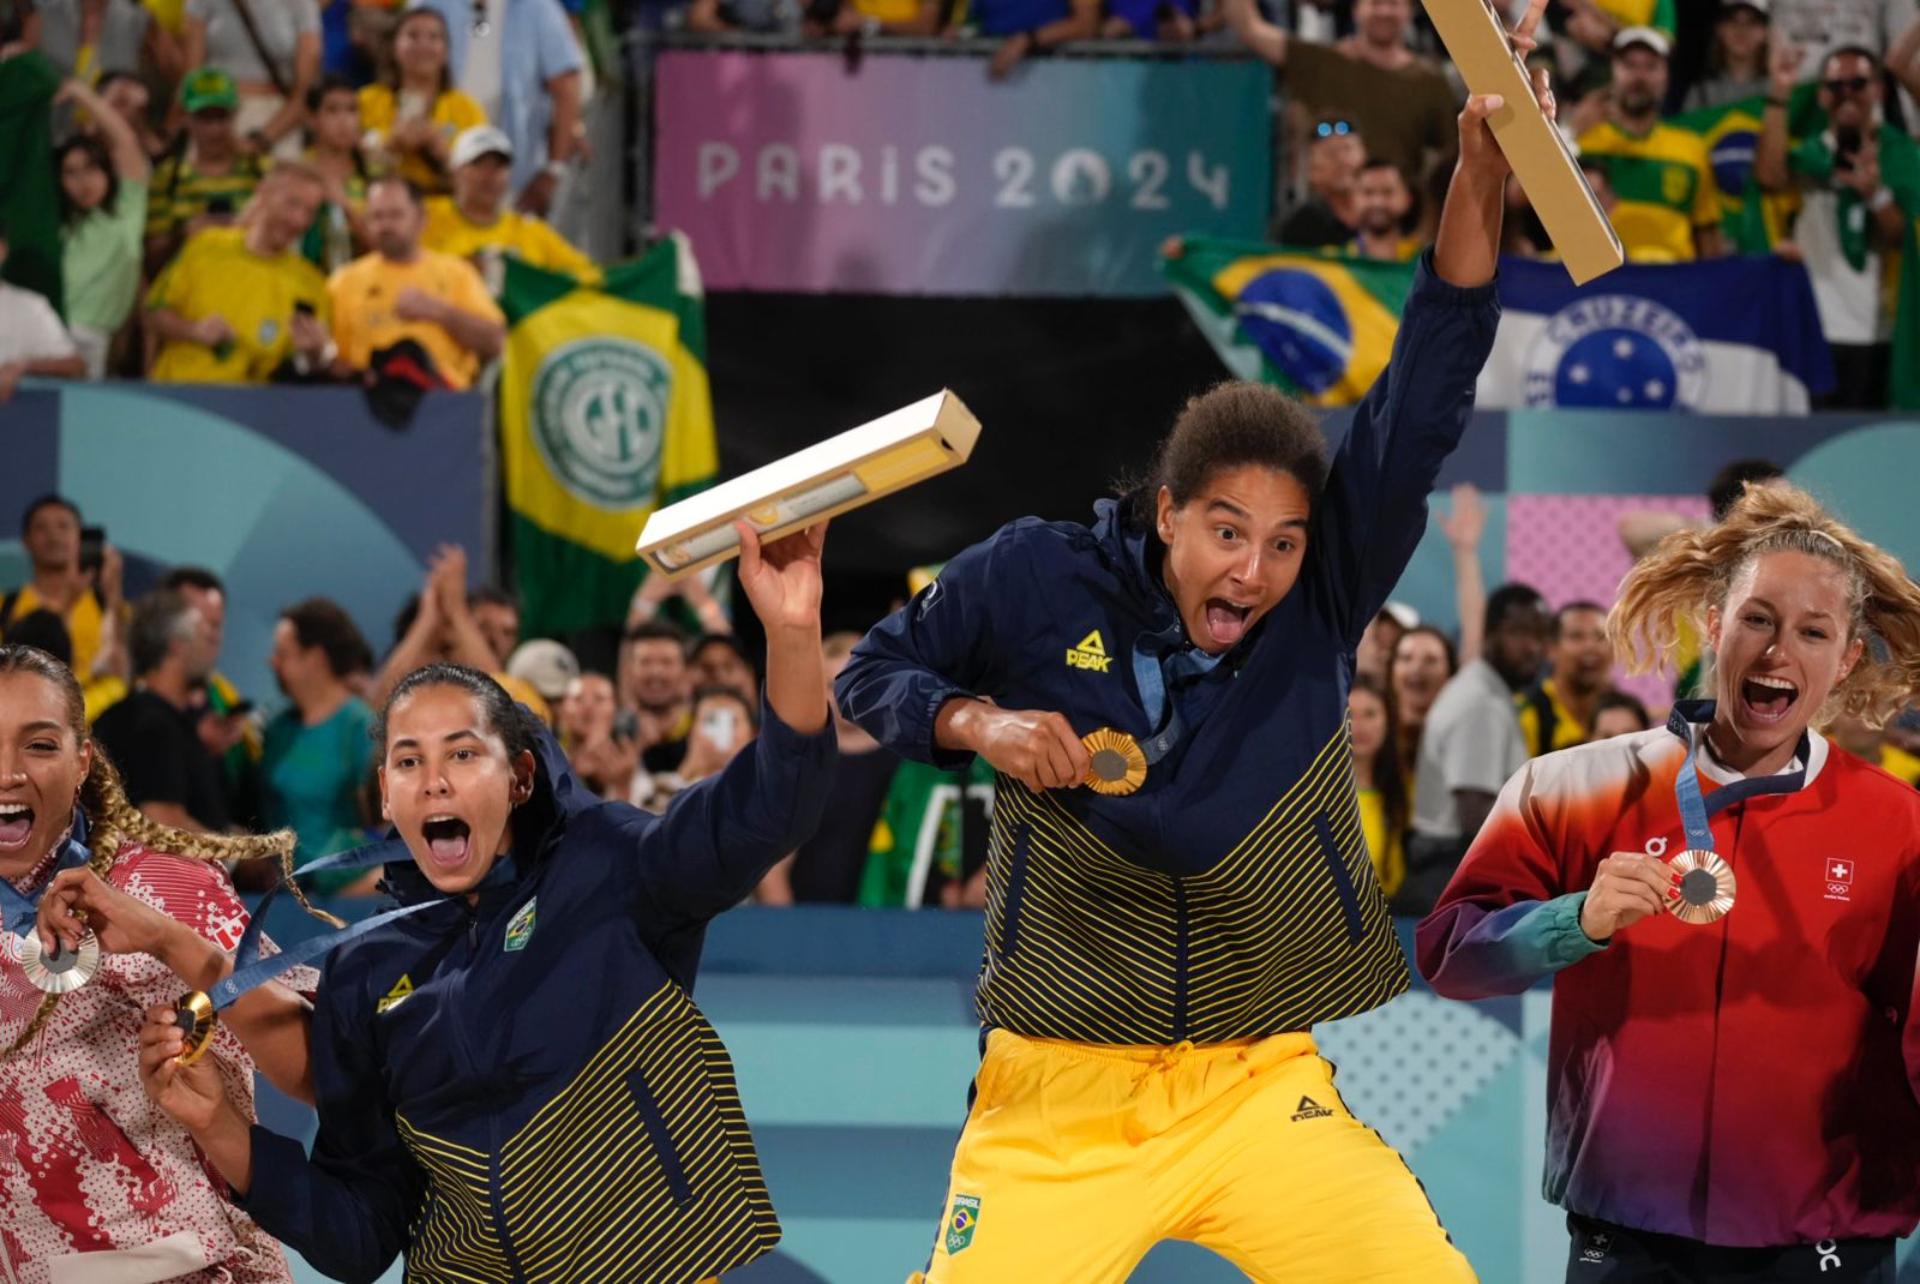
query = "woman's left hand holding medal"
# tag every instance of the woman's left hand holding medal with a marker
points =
(192, 1093)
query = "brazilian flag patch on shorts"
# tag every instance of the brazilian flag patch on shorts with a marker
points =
(962, 1222)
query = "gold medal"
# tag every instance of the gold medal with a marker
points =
(194, 1015)
(62, 971)
(1703, 888)
(1115, 766)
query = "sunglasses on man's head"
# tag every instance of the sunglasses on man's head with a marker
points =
(1847, 85)
(1332, 129)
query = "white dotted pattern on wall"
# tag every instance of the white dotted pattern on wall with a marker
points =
(1408, 1068)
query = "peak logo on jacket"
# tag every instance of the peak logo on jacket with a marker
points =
(396, 996)
(1090, 654)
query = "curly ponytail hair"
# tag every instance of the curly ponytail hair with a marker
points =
(113, 821)
(1692, 570)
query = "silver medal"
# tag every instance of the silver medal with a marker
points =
(62, 971)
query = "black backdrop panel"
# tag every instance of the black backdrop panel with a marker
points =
(1071, 395)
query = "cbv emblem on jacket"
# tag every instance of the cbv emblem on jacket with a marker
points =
(1091, 654)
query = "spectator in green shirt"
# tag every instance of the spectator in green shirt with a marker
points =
(318, 751)
(103, 213)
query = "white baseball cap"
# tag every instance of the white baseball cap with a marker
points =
(1651, 37)
(543, 664)
(478, 141)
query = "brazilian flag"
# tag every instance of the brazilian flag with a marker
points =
(1319, 325)
(1753, 220)
(604, 416)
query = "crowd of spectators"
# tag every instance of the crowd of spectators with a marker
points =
(174, 120)
(229, 174)
(1793, 137)
(673, 708)
(1439, 720)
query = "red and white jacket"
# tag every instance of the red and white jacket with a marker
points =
(97, 1184)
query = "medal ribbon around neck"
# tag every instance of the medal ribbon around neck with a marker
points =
(197, 1013)
(1117, 762)
(59, 970)
(1704, 886)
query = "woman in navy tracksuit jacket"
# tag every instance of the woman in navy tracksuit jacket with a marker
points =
(514, 1083)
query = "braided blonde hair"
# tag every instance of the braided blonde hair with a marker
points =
(115, 823)
(1694, 569)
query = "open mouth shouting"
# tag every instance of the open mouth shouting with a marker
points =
(16, 827)
(1226, 621)
(449, 840)
(1767, 699)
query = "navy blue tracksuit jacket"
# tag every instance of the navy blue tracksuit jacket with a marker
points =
(1232, 896)
(522, 1089)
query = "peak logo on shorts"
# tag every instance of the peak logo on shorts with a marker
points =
(1091, 654)
(1310, 1109)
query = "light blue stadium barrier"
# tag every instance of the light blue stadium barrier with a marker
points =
(854, 1037)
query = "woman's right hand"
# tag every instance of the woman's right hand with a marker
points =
(79, 899)
(193, 1095)
(1037, 749)
(1628, 887)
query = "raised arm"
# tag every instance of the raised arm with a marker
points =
(1770, 158)
(1903, 58)
(1374, 510)
(1267, 41)
(1463, 528)
(721, 836)
(128, 157)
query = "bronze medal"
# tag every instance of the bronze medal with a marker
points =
(1115, 766)
(1703, 887)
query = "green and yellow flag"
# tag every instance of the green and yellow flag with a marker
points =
(1752, 221)
(604, 416)
(1317, 325)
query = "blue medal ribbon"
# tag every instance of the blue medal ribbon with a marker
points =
(1154, 655)
(22, 912)
(1695, 809)
(251, 971)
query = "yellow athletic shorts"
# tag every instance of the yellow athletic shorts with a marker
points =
(1078, 1158)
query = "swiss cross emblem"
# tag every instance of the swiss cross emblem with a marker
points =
(1839, 881)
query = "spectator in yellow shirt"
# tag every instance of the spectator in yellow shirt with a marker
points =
(86, 601)
(1667, 202)
(239, 304)
(413, 115)
(479, 217)
(404, 291)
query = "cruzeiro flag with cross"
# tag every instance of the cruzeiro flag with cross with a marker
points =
(605, 415)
